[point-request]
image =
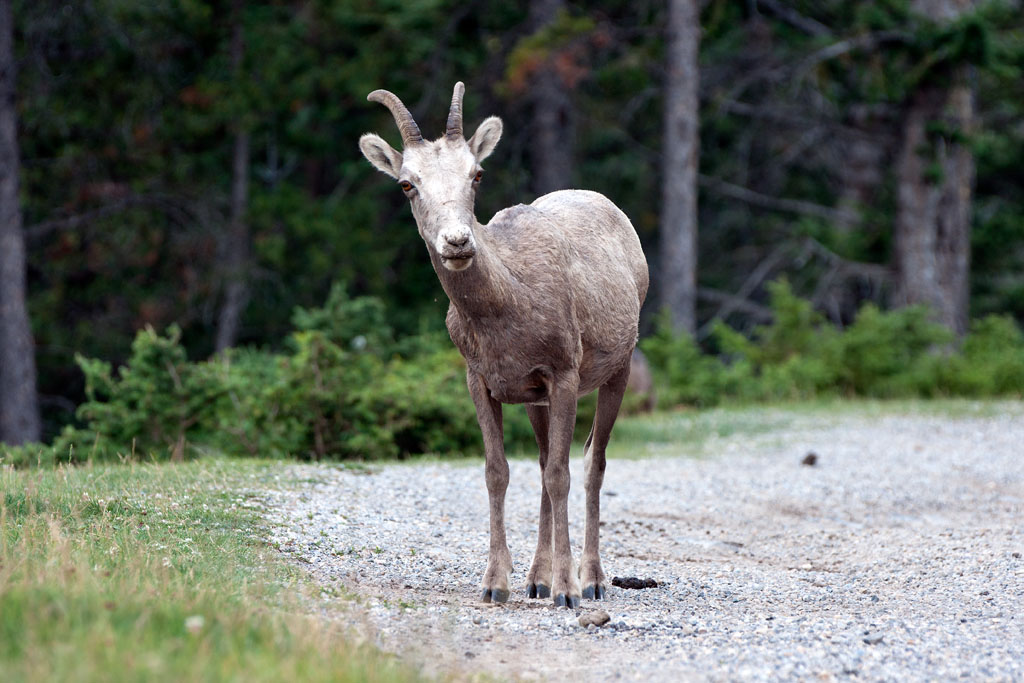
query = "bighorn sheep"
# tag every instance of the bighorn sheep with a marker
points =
(544, 307)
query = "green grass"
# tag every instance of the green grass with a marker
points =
(158, 573)
(687, 432)
(692, 432)
(151, 572)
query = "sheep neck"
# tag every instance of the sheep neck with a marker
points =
(484, 289)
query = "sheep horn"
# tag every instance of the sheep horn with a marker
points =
(455, 113)
(406, 124)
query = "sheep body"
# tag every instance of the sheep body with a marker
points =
(545, 301)
(576, 274)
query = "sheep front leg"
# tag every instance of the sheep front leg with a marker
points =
(565, 585)
(499, 561)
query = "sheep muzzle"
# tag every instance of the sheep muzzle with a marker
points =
(456, 249)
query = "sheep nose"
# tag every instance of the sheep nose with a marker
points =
(457, 240)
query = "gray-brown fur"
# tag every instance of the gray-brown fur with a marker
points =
(545, 300)
(641, 383)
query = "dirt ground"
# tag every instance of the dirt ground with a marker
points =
(897, 554)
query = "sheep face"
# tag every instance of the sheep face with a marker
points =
(440, 178)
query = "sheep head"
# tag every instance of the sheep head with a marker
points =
(440, 178)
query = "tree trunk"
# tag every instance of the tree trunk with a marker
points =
(553, 129)
(19, 403)
(680, 150)
(931, 245)
(235, 248)
(861, 168)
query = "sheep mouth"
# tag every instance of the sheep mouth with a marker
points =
(458, 261)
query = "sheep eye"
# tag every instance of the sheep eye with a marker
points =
(405, 185)
(479, 175)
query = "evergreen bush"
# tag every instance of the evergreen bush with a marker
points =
(883, 354)
(346, 387)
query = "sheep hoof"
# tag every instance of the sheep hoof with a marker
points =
(494, 595)
(538, 590)
(594, 592)
(570, 601)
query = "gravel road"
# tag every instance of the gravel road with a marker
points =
(897, 556)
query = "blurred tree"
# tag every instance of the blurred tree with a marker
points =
(865, 155)
(131, 116)
(680, 150)
(234, 262)
(553, 126)
(997, 227)
(808, 107)
(19, 405)
(130, 113)
(935, 170)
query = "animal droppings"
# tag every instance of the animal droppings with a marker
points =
(811, 459)
(633, 582)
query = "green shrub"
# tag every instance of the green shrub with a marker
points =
(315, 406)
(155, 405)
(886, 354)
(346, 388)
(793, 357)
(353, 324)
(337, 403)
(796, 331)
(991, 361)
(682, 372)
(889, 354)
(34, 455)
(247, 420)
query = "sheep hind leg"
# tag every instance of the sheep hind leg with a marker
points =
(538, 580)
(565, 586)
(609, 400)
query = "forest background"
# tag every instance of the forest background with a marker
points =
(828, 194)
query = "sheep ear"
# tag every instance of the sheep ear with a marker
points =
(486, 137)
(383, 156)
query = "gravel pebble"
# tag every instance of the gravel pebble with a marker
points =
(594, 619)
(896, 557)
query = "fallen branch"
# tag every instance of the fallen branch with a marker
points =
(868, 271)
(741, 298)
(793, 117)
(793, 18)
(865, 41)
(175, 208)
(800, 206)
(754, 310)
(799, 252)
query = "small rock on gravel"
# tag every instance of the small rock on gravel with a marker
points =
(895, 548)
(597, 618)
(873, 638)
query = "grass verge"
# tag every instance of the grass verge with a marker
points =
(696, 432)
(158, 573)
